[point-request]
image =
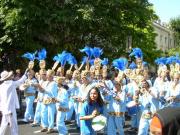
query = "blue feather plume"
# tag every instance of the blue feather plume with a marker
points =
(171, 59)
(42, 54)
(84, 59)
(97, 52)
(161, 61)
(132, 66)
(145, 64)
(62, 58)
(120, 63)
(72, 60)
(178, 61)
(137, 53)
(87, 50)
(104, 61)
(30, 56)
(91, 62)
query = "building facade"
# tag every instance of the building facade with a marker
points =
(165, 37)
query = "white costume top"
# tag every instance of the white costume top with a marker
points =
(8, 97)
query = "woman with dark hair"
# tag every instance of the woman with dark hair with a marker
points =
(90, 109)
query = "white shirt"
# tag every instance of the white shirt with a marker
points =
(8, 97)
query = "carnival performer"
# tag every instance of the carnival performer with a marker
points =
(162, 85)
(42, 82)
(61, 106)
(9, 101)
(116, 109)
(137, 68)
(74, 92)
(86, 85)
(131, 93)
(68, 82)
(29, 93)
(105, 83)
(48, 106)
(90, 109)
(173, 95)
(148, 103)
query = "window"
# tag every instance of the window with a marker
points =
(165, 40)
(160, 38)
(170, 42)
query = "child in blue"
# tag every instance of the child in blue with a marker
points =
(91, 108)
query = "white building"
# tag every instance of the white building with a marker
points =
(165, 37)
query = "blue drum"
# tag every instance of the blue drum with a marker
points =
(132, 108)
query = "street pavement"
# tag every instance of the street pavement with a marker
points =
(27, 129)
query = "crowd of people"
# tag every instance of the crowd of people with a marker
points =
(96, 90)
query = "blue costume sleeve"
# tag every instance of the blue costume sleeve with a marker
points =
(63, 97)
(84, 110)
(101, 110)
(52, 90)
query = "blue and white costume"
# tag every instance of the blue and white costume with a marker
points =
(48, 106)
(116, 111)
(86, 125)
(74, 92)
(30, 93)
(132, 88)
(149, 105)
(83, 91)
(162, 86)
(174, 91)
(37, 116)
(62, 108)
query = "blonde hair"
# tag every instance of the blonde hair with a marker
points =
(50, 72)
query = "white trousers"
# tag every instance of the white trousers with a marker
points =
(10, 119)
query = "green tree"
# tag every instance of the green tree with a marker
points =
(174, 51)
(70, 24)
(175, 25)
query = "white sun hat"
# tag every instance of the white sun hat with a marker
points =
(5, 75)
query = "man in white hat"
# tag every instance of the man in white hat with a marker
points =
(9, 101)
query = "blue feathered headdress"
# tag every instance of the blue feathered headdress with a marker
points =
(91, 62)
(30, 56)
(97, 52)
(137, 53)
(84, 60)
(132, 66)
(161, 61)
(42, 54)
(72, 60)
(178, 61)
(104, 61)
(87, 50)
(120, 63)
(171, 59)
(145, 64)
(62, 58)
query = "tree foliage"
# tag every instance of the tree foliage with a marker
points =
(27, 25)
(174, 51)
(175, 25)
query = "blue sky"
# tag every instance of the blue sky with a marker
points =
(166, 9)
